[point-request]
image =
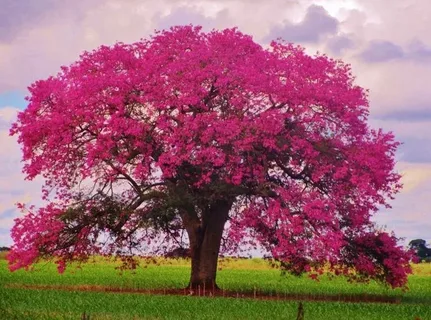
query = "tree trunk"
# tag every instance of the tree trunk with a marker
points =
(205, 239)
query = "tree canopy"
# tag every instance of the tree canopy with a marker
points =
(211, 139)
(419, 247)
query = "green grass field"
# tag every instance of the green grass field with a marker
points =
(34, 302)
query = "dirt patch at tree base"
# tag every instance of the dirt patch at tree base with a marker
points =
(257, 295)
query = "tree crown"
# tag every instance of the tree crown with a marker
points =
(163, 129)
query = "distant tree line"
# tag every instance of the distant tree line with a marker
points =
(4, 249)
(419, 246)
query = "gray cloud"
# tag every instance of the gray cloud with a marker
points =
(418, 50)
(381, 51)
(412, 131)
(414, 114)
(317, 23)
(338, 44)
(20, 16)
(412, 229)
(415, 150)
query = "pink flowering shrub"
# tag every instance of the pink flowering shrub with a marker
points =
(182, 132)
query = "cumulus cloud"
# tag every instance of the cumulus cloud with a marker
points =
(37, 48)
(399, 22)
(60, 35)
(316, 24)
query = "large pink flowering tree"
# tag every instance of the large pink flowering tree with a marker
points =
(210, 136)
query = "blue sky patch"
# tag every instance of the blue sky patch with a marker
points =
(13, 99)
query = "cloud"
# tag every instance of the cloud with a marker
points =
(339, 43)
(414, 136)
(417, 50)
(416, 150)
(399, 89)
(415, 176)
(403, 129)
(316, 24)
(13, 188)
(17, 18)
(409, 216)
(7, 116)
(398, 22)
(381, 51)
(412, 114)
(186, 15)
(58, 38)
(37, 37)
(40, 46)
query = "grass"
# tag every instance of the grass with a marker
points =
(3, 255)
(33, 304)
(17, 302)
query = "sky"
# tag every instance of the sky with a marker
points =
(387, 43)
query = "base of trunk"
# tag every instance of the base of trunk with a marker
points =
(203, 287)
(205, 239)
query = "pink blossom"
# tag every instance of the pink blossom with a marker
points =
(166, 127)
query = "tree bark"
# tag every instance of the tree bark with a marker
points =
(205, 238)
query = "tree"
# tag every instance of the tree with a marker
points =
(204, 137)
(420, 249)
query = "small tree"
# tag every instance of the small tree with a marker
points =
(188, 130)
(420, 249)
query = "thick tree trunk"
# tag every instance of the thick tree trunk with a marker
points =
(205, 239)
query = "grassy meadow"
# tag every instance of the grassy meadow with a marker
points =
(45, 294)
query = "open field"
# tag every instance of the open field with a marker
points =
(44, 294)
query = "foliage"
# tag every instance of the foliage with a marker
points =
(167, 132)
(419, 247)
